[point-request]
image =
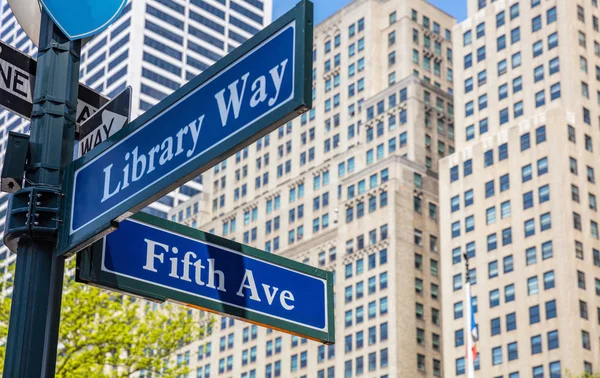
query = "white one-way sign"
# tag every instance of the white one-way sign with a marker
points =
(104, 123)
(17, 82)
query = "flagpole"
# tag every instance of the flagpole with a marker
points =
(470, 368)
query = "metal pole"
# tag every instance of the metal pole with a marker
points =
(53, 318)
(35, 312)
(467, 278)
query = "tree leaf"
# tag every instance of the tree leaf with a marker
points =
(106, 334)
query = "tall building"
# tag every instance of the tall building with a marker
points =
(155, 47)
(519, 196)
(350, 187)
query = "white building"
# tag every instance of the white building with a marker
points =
(350, 187)
(519, 195)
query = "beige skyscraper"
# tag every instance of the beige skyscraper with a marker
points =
(519, 196)
(350, 187)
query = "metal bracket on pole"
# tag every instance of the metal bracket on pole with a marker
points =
(15, 158)
(33, 214)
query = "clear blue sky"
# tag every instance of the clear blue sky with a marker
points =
(324, 8)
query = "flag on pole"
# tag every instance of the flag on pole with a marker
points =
(471, 332)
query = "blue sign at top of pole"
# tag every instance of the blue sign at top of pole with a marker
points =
(256, 88)
(83, 18)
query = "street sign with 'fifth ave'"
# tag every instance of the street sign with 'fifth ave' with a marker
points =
(162, 260)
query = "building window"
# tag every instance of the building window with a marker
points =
(496, 356)
(532, 285)
(538, 73)
(585, 340)
(460, 366)
(534, 314)
(514, 11)
(469, 196)
(492, 242)
(527, 200)
(554, 66)
(518, 109)
(489, 189)
(549, 280)
(488, 158)
(536, 344)
(555, 91)
(504, 182)
(551, 309)
(503, 92)
(502, 67)
(501, 43)
(506, 236)
(581, 280)
(509, 290)
(503, 116)
(552, 40)
(513, 351)
(540, 99)
(515, 35)
(505, 210)
(545, 221)
(495, 326)
(538, 48)
(544, 193)
(517, 84)
(490, 215)
(483, 126)
(536, 23)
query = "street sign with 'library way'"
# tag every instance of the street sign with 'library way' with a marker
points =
(261, 85)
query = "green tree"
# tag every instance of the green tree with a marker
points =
(105, 334)
(584, 375)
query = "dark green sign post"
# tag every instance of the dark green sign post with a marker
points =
(32, 221)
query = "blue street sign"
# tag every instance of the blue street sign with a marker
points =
(163, 260)
(83, 18)
(258, 87)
